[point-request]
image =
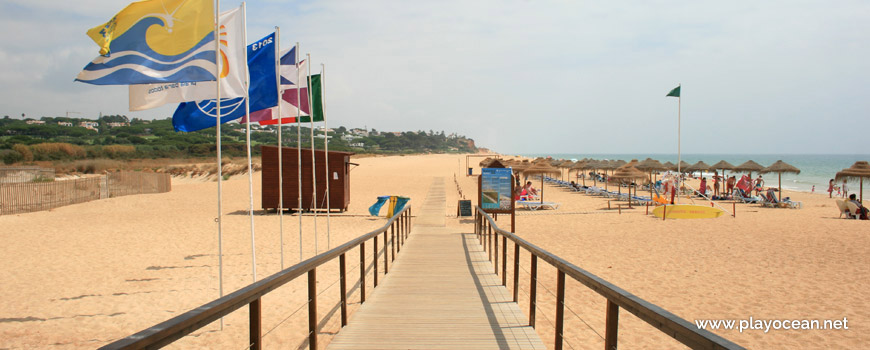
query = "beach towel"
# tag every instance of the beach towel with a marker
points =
(745, 184)
(396, 205)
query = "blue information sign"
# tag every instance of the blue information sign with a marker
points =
(495, 187)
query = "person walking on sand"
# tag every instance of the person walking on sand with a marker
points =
(759, 184)
(831, 188)
(845, 189)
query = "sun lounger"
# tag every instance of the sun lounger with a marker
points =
(844, 210)
(531, 205)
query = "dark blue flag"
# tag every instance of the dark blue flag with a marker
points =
(263, 91)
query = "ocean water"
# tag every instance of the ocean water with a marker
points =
(816, 169)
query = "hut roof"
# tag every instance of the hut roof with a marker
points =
(859, 170)
(781, 167)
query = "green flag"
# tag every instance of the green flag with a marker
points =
(316, 99)
(675, 92)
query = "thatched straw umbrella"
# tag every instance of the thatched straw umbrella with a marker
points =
(607, 165)
(700, 166)
(485, 162)
(683, 166)
(670, 166)
(749, 167)
(860, 170)
(578, 166)
(651, 165)
(780, 167)
(541, 169)
(722, 165)
(628, 172)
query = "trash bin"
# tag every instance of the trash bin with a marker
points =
(470, 171)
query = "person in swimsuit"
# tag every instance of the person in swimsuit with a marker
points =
(831, 188)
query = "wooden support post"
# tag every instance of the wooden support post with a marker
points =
(560, 309)
(256, 325)
(495, 250)
(664, 212)
(342, 276)
(533, 290)
(362, 272)
(504, 261)
(516, 270)
(734, 209)
(612, 325)
(386, 255)
(393, 241)
(375, 258)
(312, 309)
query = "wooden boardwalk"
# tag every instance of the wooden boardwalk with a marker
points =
(440, 294)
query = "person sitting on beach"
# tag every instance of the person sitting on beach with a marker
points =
(862, 211)
(759, 184)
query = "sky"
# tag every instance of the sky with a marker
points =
(769, 77)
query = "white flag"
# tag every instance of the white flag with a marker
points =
(233, 74)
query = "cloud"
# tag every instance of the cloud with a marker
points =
(522, 76)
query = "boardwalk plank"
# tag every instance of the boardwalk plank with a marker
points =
(440, 294)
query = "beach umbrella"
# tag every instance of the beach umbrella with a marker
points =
(860, 170)
(485, 162)
(651, 165)
(722, 165)
(607, 165)
(578, 166)
(780, 167)
(683, 166)
(628, 172)
(541, 169)
(700, 166)
(670, 166)
(749, 167)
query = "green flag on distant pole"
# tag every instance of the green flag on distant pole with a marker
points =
(675, 92)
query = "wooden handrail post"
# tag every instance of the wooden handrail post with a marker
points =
(386, 255)
(533, 290)
(312, 309)
(342, 276)
(489, 239)
(362, 272)
(504, 261)
(375, 258)
(516, 270)
(495, 250)
(393, 241)
(612, 325)
(256, 324)
(560, 308)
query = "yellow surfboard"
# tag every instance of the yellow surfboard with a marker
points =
(687, 211)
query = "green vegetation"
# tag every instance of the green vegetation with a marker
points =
(116, 137)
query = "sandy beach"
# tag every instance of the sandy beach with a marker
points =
(83, 275)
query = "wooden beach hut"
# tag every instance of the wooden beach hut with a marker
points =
(339, 179)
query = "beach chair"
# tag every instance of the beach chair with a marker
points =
(533, 205)
(843, 209)
(853, 210)
(738, 195)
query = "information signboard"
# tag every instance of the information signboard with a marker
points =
(496, 185)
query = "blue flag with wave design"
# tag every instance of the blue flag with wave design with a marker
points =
(154, 42)
(263, 91)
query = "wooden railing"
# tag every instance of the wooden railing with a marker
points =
(399, 226)
(666, 322)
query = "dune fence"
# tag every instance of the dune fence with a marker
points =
(22, 174)
(26, 197)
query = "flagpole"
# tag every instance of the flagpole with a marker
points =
(313, 163)
(218, 60)
(326, 146)
(248, 141)
(679, 136)
(298, 146)
(280, 145)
